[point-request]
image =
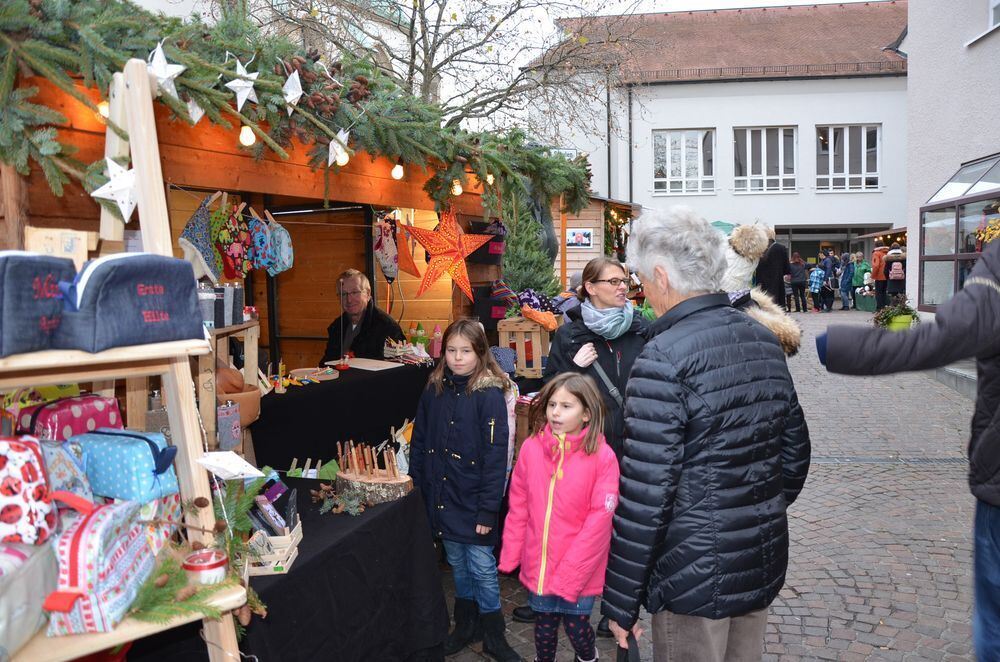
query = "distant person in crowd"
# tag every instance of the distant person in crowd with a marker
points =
(861, 267)
(817, 279)
(772, 268)
(846, 280)
(362, 328)
(830, 265)
(798, 280)
(716, 450)
(965, 326)
(602, 339)
(895, 272)
(458, 459)
(563, 495)
(878, 273)
(744, 248)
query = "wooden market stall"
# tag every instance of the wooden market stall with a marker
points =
(584, 235)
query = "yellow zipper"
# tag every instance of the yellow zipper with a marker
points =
(548, 512)
(493, 422)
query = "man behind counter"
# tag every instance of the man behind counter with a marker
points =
(362, 328)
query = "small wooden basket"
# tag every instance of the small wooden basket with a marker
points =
(529, 340)
(284, 551)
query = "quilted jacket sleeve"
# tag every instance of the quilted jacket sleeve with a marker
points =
(516, 525)
(795, 449)
(656, 417)
(493, 455)
(590, 546)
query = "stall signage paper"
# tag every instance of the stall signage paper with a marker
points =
(227, 465)
(369, 364)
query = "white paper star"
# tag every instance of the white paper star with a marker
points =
(165, 73)
(338, 148)
(243, 87)
(120, 189)
(292, 90)
(195, 111)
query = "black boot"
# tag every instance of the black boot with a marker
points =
(466, 616)
(495, 641)
(603, 629)
(523, 614)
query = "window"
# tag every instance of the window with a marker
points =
(764, 159)
(847, 157)
(683, 161)
(950, 225)
(994, 13)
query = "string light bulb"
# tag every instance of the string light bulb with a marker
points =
(104, 108)
(456, 188)
(489, 179)
(342, 157)
(397, 170)
(247, 136)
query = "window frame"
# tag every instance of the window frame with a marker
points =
(702, 178)
(864, 175)
(993, 6)
(747, 189)
(957, 256)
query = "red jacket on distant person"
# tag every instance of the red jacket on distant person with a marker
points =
(878, 262)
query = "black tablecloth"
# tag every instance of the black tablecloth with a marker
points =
(363, 588)
(306, 422)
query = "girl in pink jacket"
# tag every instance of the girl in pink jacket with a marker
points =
(563, 495)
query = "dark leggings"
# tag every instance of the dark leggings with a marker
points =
(578, 629)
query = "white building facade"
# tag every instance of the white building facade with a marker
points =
(954, 129)
(807, 135)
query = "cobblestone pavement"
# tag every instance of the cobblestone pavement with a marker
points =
(881, 540)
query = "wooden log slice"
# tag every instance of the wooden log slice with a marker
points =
(378, 488)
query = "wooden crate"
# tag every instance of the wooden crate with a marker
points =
(280, 560)
(529, 340)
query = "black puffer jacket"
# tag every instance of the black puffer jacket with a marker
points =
(615, 356)
(716, 450)
(376, 326)
(458, 456)
(966, 326)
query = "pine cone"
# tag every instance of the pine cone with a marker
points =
(197, 545)
(220, 525)
(243, 615)
(162, 580)
(185, 593)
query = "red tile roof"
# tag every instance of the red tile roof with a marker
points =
(849, 39)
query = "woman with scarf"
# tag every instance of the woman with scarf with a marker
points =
(602, 339)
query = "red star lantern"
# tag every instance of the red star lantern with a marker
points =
(448, 246)
(405, 257)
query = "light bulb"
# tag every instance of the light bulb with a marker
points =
(489, 179)
(456, 187)
(397, 170)
(104, 109)
(247, 136)
(342, 157)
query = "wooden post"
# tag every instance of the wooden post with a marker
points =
(14, 198)
(136, 389)
(114, 146)
(206, 397)
(251, 339)
(153, 218)
(562, 243)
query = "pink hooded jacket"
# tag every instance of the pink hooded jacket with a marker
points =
(558, 528)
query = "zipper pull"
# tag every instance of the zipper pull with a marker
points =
(493, 423)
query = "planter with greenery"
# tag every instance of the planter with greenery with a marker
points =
(896, 317)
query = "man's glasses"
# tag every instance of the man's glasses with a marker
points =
(356, 293)
(613, 282)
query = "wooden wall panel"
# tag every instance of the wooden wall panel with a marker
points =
(591, 217)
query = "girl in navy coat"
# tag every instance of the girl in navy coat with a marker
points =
(458, 459)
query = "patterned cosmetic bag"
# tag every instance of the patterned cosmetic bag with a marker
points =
(30, 301)
(27, 514)
(104, 557)
(123, 464)
(61, 419)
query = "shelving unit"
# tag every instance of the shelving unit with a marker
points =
(250, 333)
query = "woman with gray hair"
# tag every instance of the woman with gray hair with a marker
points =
(716, 448)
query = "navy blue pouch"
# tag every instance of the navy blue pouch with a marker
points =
(129, 299)
(31, 303)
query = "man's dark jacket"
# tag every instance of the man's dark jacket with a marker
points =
(716, 450)
(965, 326)
(771, 271)
(369, 343)
(615, 356)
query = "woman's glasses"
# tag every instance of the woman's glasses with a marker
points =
(613, 282)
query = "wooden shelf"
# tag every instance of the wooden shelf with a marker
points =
(53, 649)
(61, 366)
(234, 329)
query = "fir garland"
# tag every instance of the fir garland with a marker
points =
(87, 41)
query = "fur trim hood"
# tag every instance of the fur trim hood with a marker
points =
(749, 241)
(489, 380)
(764, 310)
